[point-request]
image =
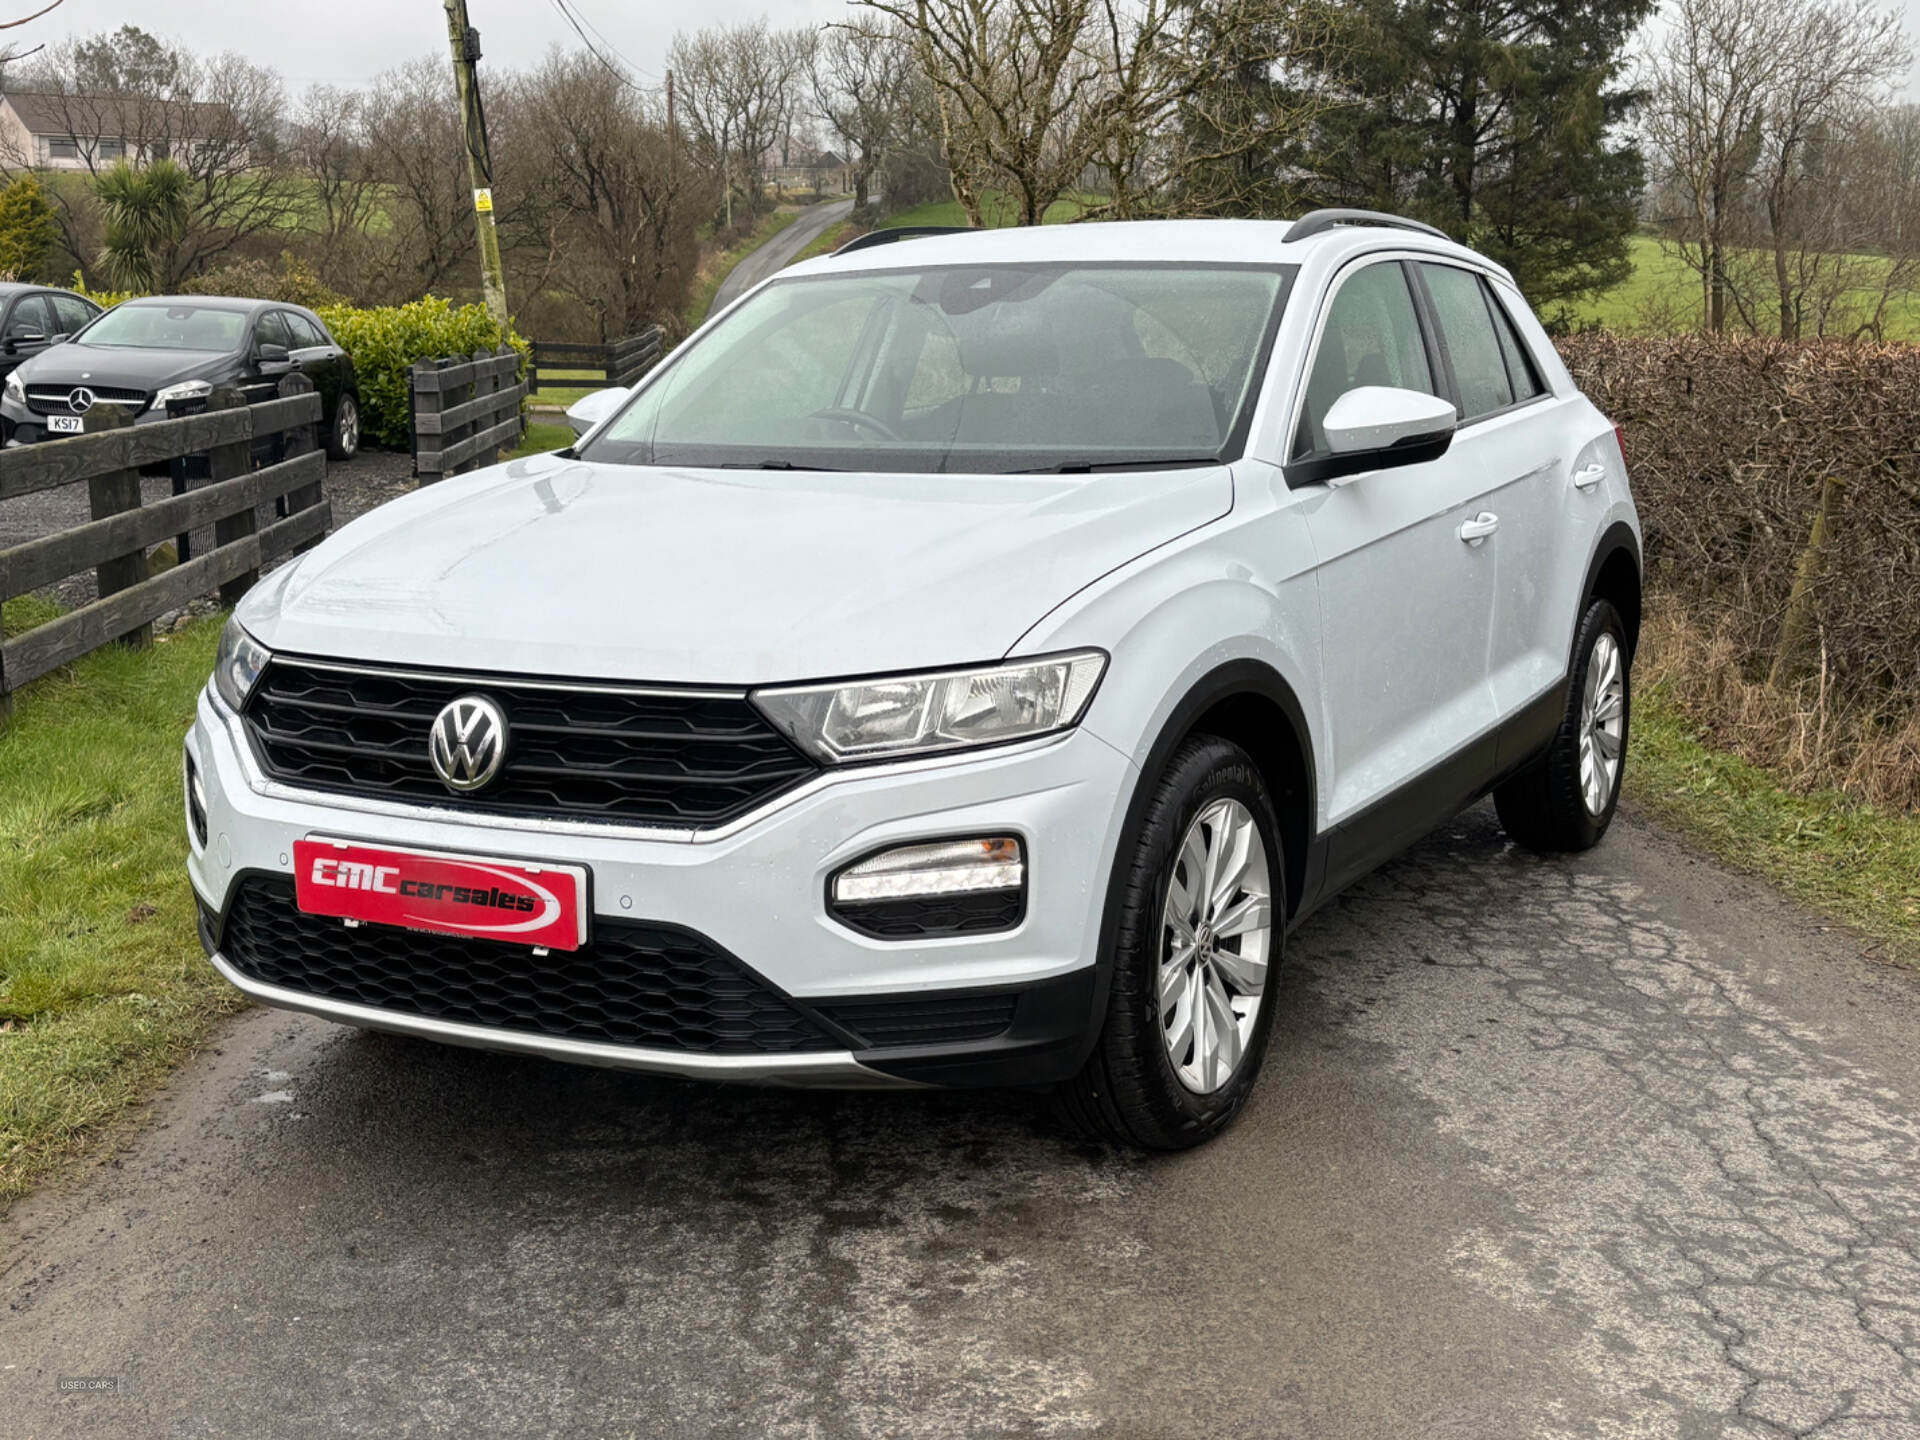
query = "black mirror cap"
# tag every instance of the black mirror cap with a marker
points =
(1413, 450)
(271, 353)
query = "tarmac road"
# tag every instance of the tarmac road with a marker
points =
(778, 252)
(1613, 1146)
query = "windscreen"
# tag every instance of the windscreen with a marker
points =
(168, 327)
(987, 369)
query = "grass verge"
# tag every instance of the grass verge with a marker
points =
(540, 437)
(1837, 855)
(102, 984)
(715, 267)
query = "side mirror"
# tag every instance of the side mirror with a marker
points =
(1378, 427)
(589, 410)
(270, 354)
(17, 343)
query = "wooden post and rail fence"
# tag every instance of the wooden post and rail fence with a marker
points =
(466, 408)
(115, 542)
(618, 363)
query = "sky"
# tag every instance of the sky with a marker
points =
(348, 42)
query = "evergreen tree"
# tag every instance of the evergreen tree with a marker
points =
(1501, 123)
(27, 229)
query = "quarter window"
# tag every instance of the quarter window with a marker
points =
(1466, 324)
(1520, 367)
(1372, 337)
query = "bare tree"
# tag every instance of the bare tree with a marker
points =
(860, 80)
(326, 145)
(1033, 94)
(601, 213)
(411, 136)
(1747, 99)
(740, 89)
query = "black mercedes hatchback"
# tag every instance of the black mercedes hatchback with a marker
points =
(162, 357)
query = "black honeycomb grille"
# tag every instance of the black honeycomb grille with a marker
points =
(936, 1020)
(627, 756)
(632, 984)
(981, 913)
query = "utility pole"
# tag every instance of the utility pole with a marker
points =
(464, 40)
(673, 139)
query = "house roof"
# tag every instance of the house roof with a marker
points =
(827, 160)
(109, 115)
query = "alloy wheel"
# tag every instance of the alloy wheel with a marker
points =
(349, 426)
(1216, 939)
(1603, 722)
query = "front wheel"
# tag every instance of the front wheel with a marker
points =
(1565, 799)
(343, 440)
(1199, 939)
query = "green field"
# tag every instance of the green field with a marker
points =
(1663, 296)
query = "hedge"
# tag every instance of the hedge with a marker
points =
(385, 343)
(1731, 442)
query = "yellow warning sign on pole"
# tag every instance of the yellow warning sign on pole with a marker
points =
(483, 201)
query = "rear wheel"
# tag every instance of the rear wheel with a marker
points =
(1565, 799)
(343, 440)
(1198, 941)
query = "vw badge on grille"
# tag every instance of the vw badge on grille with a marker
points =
(80, 400)
(468, 743)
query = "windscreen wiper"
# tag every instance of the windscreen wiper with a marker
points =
(1095, 467)
(774, 465)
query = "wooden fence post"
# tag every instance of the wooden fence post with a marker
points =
(114, 492)
(230, 462)
(1799, 617)
(486, 381)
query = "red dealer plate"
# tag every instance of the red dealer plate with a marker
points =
(544, 905)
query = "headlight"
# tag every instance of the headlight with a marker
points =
(923, 714)
(238, 667)
(16, 392)
(185, 390)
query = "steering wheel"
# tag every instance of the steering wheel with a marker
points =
(858, 417)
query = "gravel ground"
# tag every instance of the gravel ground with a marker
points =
(371, 478)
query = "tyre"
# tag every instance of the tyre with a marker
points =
(1565, 799)
(343, 439)
(1200, 933)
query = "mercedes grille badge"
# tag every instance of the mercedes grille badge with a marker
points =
(469, 743)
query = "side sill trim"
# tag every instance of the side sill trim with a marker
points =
(834, 1069)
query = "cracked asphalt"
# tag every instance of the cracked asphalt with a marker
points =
(1613, 1146)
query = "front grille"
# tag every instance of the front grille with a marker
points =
(52, 399)
(632, 984)
(641, 757)
(935, 1020)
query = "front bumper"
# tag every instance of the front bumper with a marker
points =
(757, 891)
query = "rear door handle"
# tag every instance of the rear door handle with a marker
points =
(1477, 529)
(1588, 476)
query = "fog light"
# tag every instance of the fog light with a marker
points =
(944, 867)
(196, 805)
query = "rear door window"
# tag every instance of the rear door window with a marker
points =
(70, 312)
(1473, 346)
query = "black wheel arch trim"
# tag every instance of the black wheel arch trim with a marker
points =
(1617, 537)
(1224, 682)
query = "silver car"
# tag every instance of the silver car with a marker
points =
(962, 662)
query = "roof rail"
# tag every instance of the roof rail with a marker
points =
(899, 232)
(1315, 222)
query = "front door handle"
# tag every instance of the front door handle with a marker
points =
(1588, 476)
(1477, 529)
